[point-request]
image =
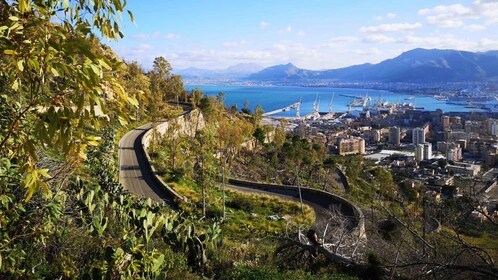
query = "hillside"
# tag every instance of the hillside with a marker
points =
(414, 66)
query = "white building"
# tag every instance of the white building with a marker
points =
(419, 152)
(465, 169)
(427, 151)
(454, 153)
(418, 136)
(493, 127)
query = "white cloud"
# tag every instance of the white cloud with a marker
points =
(285, 30)
(487, 9)
(263, 24)
(379, 38)
(388, 16)
(450, 16)
(445, 22)
(338, 41)
(172, 36)
(394, 27)
(301, 33)
(155, 35)
(367, 52)
(234, 44)
(453, 10)
(141, 36)
(455, 16)
(475, 27)
(449, 42)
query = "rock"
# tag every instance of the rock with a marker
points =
(274, 218)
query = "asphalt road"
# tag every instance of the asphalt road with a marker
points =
(134, 172)
(322, 206)
(136, 176)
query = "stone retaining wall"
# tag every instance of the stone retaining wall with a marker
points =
(185, 124)
(189, 122)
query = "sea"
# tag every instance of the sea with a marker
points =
(272, 98)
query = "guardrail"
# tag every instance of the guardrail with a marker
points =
(186, 126)
(347, 208)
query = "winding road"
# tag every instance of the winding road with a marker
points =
(137, 177)
(134, 171)
(320, 204)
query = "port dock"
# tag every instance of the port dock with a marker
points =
(290, 107)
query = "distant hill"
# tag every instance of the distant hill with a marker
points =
(238, 71)
(414, 66)
(283, 72)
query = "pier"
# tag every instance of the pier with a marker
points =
(292, 106)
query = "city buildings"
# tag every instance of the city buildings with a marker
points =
(464, 169)
(395, 135)
(351, 146)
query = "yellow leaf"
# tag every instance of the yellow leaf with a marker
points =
(54, 72)
(20, 65)
(9, 52)
(15, 85)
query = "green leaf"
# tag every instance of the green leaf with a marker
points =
(103, 64)
(132, 18)
(157, 263)
(96, 70)
(10, 52)
(54, 72)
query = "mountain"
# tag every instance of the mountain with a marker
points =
(235, 72)
(282, 72)
(414, 66)
(244, 68)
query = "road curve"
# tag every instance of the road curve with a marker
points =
(322, 206)
(134, 170)
(136, 175)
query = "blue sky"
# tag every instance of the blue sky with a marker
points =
(312, 34)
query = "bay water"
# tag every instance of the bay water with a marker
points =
(276, 97)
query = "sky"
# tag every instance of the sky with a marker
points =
(311, 34)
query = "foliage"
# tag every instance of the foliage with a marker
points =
(245, 272)
(55, 80)
(165, 87)
(286, 158)
(204, 162)
(94, 228)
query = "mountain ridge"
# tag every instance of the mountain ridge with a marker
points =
(413, 66)
(237, 71)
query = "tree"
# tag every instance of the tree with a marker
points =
(138, 86)
(195, 97)
(260, 135)
(257, 116)
(230, 136)
(204, 166)
(245, 108)
(163, 83)
(56, 79)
